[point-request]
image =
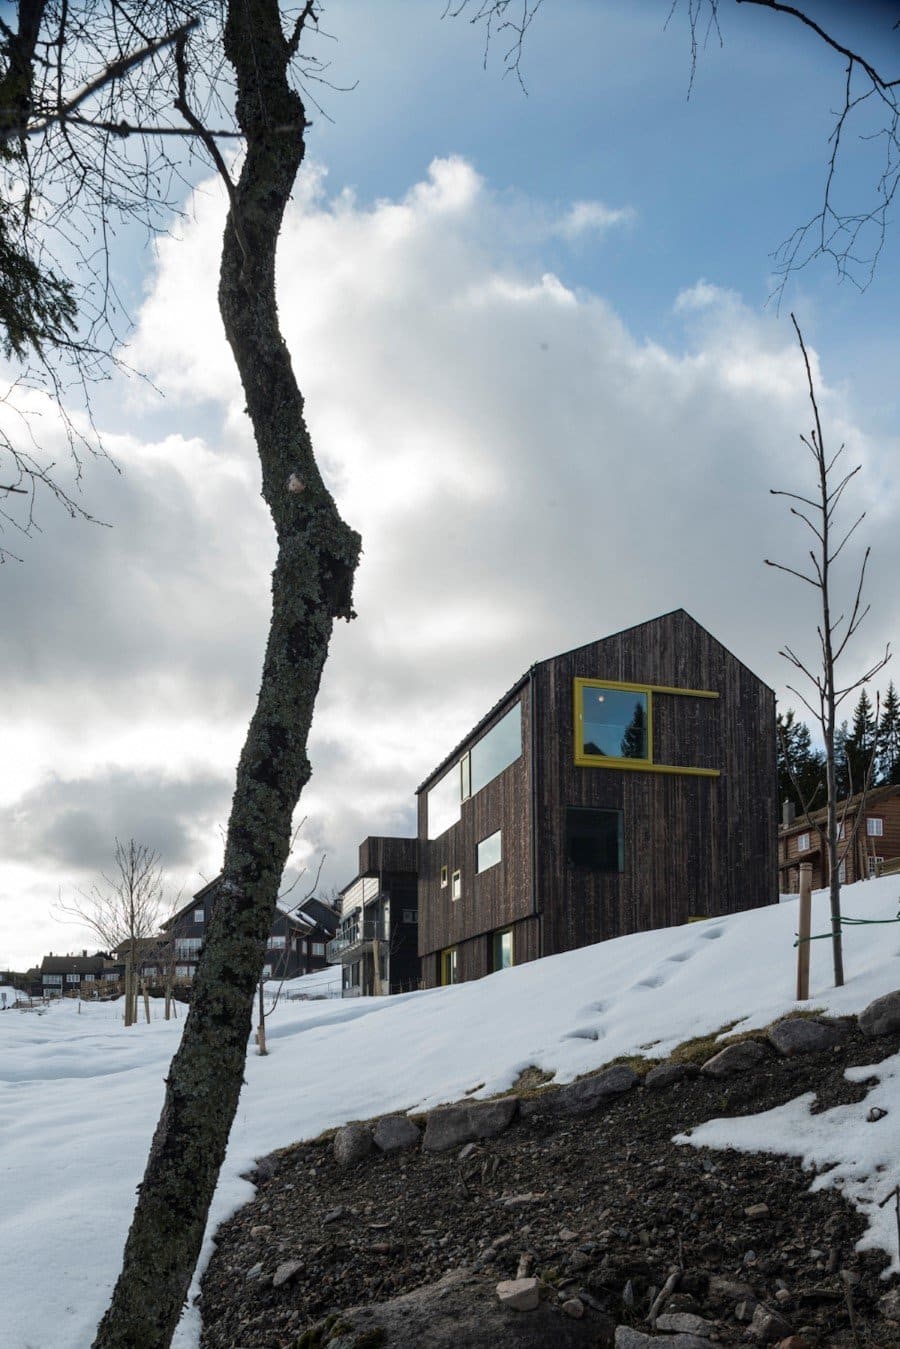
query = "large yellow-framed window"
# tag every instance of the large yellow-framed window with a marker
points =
(613, 725)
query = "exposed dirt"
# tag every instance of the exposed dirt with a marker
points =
(605, 1204)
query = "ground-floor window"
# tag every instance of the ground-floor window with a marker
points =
(447, 966)
(595, 839)
(501, 949)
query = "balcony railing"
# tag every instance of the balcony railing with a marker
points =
(347, 947)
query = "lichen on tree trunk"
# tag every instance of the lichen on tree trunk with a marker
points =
(311, 587)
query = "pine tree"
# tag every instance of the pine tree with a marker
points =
(859, 743)
(889, 739)
(799, 765)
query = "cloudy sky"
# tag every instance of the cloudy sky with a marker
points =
(545, 380)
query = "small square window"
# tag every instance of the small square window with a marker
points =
(842, 873)
(456, 892)
(803, 842)
(874, 826)
(445, 873)
(199, 915)
(595, 839)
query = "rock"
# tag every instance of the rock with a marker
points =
(573, 1307)
(566, 1234)
(588, 1093)
(260, 1230)
(768, 1326)
(686, 1324)
(757, 1211)
(729, 1289)
(626, 1338)
(255, 1271)
(353, 1144)
(794, 1342)
(667, 1074)
(452, 1125)
(395, 1133)
(460, 1310)
(286, 1272)
(333, 1216)
(889, 1305)
(733, 1059)
(523, 1295)
(882, 1016)
(801, 1035)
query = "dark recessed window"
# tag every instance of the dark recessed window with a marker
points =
(594, 839)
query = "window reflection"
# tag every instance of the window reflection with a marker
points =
(614, 723)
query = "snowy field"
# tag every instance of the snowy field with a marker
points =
(80, 1095)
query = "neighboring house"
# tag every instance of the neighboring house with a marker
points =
(70, 973)
(377, 941)
(295, 946)
(625, 785)
(874, 849)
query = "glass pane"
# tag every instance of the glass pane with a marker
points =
(498, 749)
(465, 778)
(443, 803)
(503, 950)
(614, 723)
(595, 839)
(489, 851)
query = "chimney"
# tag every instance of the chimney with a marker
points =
(788, 813)
(84, 955)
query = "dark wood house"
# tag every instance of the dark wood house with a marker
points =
(869, 848)
(59, 975)
(296, 943)
(626, 785)
(376, 944)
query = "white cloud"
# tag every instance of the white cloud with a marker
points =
(526, 473)
(585, 217)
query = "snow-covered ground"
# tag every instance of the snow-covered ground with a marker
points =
(9, 996)
(80, 1095)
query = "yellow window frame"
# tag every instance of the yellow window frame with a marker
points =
(583, 760)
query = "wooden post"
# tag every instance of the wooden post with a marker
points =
(261, 1033)
(805, 923)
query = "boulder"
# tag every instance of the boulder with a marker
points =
(768, 1326)
(590, 1092)
(353, 1144)
(395, 1133)
(452, 1125)
(802, 1035)
(685, 1323)
(667, 1074)
(523, 1295)
(627, 1338)
(881, 1017)
(734, 1059)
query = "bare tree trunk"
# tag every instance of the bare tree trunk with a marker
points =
(261, 1032)
(311, 586)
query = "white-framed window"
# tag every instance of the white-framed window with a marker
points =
(110, 976)
(51, 979)
(318, 948)
(840, 832)
(803, 842)
(150, 971)
(276, 942)
(73, 978)
(456, 889)
(199, 915)
(89, 978)
(188, 946)
(875, 826)
(183, 971)
(842, 872)
(267, 971)
(489, 852)
(875, 865)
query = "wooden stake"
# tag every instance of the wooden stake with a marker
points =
(805, 924)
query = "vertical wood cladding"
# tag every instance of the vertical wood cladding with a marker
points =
(502, 894)
(693, 845)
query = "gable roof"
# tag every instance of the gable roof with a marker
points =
(874, 796)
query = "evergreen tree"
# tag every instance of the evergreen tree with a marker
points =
(889, 739)
(799, 765)
(634, 741)
(841, 771)
(860, 743)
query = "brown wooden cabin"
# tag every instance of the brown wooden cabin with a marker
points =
(376, 944)
(626, 785)
(873, 849)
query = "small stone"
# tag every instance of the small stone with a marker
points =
(684, 1323)
(782, 1295)
(882, 1016)
(573, 1307)
(733, 1059)
(889, 1306)
(768, 1326)
(260, 1230)
(467, 1151)
(578, 1261)
(875, 1114)
(333, 1216)
(285, 1272)
(522, 1295)
(255, 1271)
(566, 1234)
(757, 1211)
(353, 1144)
